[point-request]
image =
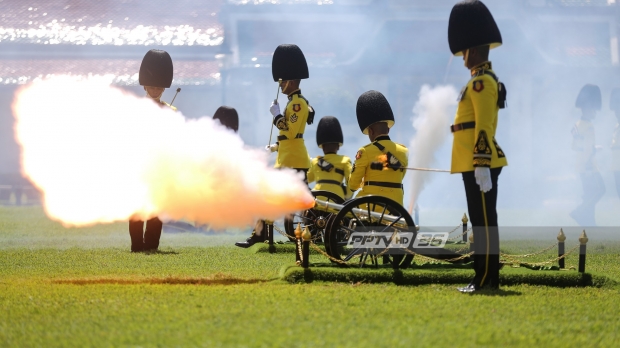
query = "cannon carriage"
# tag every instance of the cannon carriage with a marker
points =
(333, 221)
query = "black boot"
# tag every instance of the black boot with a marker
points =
(255, 237)
(474, 284)
(494, 268)
(251, 241)
(152, 234)
(136, 235)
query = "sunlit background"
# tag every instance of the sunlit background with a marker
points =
(222, 54)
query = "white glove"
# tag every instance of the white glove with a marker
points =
(272, 147)
(274, 109)
(483, 178)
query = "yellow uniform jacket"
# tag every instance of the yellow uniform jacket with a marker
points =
(329, 171)
(292, 152)
(615, 150)
(378, 169)
(475, 124)
(584, 145)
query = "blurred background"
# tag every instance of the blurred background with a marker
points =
(222, 54)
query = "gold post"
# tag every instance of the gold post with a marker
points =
(583, 239)
(562, 236)
(464, 219)
(561, 249)
(298, 231)
(306, 235)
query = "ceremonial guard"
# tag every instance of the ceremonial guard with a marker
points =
(472, 32)
(584, 145)
(614, 104)
(288, 68)
(155, 75)
(228, 117)
(379, 166)
(330, 170)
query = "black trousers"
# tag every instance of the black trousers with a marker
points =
(593, 190)
(149, 240)
(483, 217)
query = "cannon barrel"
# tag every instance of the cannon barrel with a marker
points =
(335, 207)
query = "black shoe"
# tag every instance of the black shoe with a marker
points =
(471, 287)
(251, 241)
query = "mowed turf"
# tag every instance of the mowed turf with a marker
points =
(224, 296)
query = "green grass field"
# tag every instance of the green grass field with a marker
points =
(82, 287)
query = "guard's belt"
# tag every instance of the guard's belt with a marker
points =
(284, 137)
(383, 184)
(461, 126)
(334, 182)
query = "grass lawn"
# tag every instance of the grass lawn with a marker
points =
(82, 287)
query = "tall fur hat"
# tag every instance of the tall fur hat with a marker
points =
(156, 69)
(472, 24)
(329, 131)
(372, 107)
(289, 63)
(589, 97)
(228, 117)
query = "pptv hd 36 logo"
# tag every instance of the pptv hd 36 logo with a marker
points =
(400, 240)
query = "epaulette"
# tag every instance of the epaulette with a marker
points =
(501, 88)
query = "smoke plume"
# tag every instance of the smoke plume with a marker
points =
(99, 154)
(432, 115)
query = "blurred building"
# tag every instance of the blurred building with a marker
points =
(222, 54)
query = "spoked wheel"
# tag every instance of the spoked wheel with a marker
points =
(315, 219)
(367, 214)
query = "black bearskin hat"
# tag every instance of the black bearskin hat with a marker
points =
(228, 117)
(589, 97)
(372, 107)
(471, 24)
(156, 69)
(614, 99)
(329, 131)
(289, 63)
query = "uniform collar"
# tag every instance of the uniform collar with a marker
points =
(482, 66)
(297, 91)
(382, 137)
(331, 153)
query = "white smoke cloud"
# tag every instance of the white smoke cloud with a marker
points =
(433, 113)
(99, 154)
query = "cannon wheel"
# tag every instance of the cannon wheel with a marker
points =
(341, 225)
(316, 220)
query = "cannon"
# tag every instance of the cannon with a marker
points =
(334, 221)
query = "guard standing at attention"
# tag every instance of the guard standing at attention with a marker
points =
(228, 117)
(472, 32)
(288, 65)
(584, 143)
(155, 75)
(379, 166)
(329, 171)
(614, 104)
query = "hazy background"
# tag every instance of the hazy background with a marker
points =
(222, 54)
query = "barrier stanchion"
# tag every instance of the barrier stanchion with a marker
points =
(305, 250)
(471, 242)
(583, 240)
(465, 220)
(298, 244)
(269, 228)
(561, 250)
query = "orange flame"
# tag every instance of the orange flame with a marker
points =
(100, 155)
